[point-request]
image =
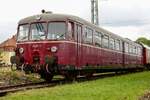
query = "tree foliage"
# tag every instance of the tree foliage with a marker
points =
(0, 53)
(0, 56)
(144, 41)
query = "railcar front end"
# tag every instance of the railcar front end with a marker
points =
(43, 47)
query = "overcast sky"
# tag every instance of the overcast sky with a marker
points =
(127, 18)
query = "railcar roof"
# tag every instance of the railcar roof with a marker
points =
(54, 17)
(147, 47)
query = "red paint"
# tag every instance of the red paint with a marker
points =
(67, 54)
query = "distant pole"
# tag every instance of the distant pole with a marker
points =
(94, 12)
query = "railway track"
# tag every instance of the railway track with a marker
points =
(21, 87)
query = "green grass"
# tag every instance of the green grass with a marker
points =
(125, 87)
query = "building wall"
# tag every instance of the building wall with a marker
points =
(6, 57)
(7, 47)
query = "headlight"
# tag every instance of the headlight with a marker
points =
(21, 50)
(54, 49)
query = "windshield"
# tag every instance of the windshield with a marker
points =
(56, 30)
(23, 32)
(38, 31)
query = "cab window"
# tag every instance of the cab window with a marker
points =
(23, 32)
(38, 31)
(56, 30)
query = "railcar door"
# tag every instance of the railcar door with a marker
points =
(79, 44)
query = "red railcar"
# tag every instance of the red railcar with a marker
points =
(146, 56)
(68, 45)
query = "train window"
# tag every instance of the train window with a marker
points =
(79, 32)
(111, 43)
(71, 30)
(38, 31)
(97, 38)
(120, 45)
(23, 32)
(105, 41)
(88, 35)
(139, 51)
(134, 49)
(56, 30)
(117, 44)
(126, 47)
(130, 48)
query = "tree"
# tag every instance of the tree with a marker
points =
(144, 41)
(0, 57)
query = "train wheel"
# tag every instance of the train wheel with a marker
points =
(148, 66)
(28, 69)
(47, 77)
(89, 75)
(71, 76)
